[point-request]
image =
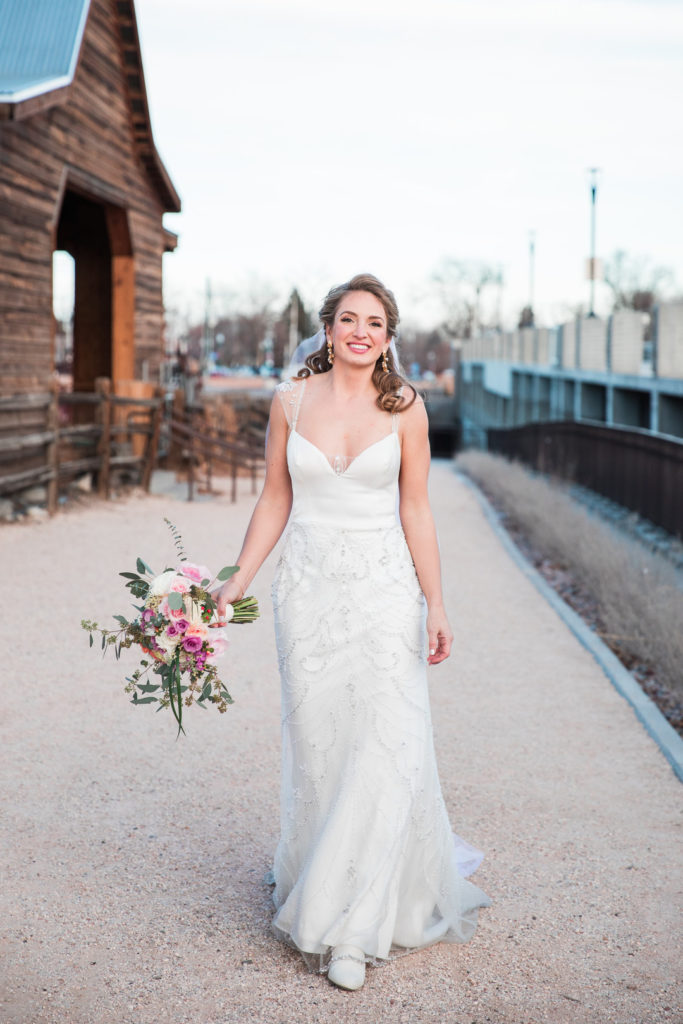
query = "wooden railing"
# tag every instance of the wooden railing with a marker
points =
(206, 450)
(53, 438)
(60, 449)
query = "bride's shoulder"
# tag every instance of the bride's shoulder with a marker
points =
(291, 384)
(413, 404)
(412, 416)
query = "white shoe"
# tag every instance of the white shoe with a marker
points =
(347, 967)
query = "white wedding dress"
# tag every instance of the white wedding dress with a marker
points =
(366, 855)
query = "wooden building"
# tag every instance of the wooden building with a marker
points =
(79, 171)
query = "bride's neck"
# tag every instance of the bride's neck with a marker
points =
(346, 382)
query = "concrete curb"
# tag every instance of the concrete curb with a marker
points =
(664, 735)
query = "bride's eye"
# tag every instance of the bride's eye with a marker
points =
(346, 320)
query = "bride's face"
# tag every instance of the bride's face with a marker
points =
(359, 331)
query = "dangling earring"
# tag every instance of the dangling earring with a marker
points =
(385, 365)
(330, 352)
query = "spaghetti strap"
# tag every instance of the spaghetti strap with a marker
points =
(297, 405)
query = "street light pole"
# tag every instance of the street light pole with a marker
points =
(532, 257)
(593, 172)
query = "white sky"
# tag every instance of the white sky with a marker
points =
(312, 139)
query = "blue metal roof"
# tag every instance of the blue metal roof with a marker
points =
(39, 45)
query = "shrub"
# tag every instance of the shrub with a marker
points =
(637, 592)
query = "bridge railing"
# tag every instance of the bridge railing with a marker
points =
(638, 470)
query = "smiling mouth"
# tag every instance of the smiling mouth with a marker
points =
(358, 347)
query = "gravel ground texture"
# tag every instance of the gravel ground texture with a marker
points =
(133, 863)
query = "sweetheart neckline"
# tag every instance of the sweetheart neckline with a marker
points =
(374, 444)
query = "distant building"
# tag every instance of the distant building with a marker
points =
(79, 171)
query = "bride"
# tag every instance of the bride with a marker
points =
(367, 867)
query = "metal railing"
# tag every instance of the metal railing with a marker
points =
(638, 470)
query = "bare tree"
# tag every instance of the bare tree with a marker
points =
(459, 285)
(634, 282)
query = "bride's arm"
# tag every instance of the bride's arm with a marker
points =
(418, 525)
(270, 514)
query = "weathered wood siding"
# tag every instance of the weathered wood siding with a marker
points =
(85, 143)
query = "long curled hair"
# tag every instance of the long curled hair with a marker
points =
(387, 382)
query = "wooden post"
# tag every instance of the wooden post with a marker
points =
(153, 440)
(190, 448)
(103, 389)
(53, 449)
(210, 434)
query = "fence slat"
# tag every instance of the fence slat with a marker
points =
(52, 454)
(103, 387)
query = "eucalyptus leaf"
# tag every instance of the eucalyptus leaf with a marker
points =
(144, 700)
(121, 619)
(175, 601)
(91, 640)
(227, 571)
(130, 575)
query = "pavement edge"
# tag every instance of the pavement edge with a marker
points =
(664, 735)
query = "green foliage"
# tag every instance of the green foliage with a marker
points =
(177, 539)
(226, 572)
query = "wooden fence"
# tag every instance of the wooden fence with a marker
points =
(638, 470)
(51, 439)
(206, 449)
(59, 437)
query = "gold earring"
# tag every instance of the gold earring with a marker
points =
(330, 352)
(385, 365)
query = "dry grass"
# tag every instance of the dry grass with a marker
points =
(637, 594)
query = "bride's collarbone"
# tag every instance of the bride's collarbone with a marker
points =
(347, 437)
(340, 426)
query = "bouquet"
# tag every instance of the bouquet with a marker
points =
(178, 630)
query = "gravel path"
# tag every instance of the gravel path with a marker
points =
(132, 865)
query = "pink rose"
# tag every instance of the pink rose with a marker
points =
(192, 644)
(180, 586)
(196, 573)
(197, 629)
(219, 645)
(170, 613)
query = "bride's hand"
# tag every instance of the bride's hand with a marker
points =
(230, 592)
(439, 635)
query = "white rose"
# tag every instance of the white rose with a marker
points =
(161, 584)
(229, 612)
(168, 644)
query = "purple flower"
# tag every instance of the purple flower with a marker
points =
(147, 615)
(192, 644)
(173, 630)
(180, 625)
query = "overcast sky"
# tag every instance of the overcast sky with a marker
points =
(312, 139)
